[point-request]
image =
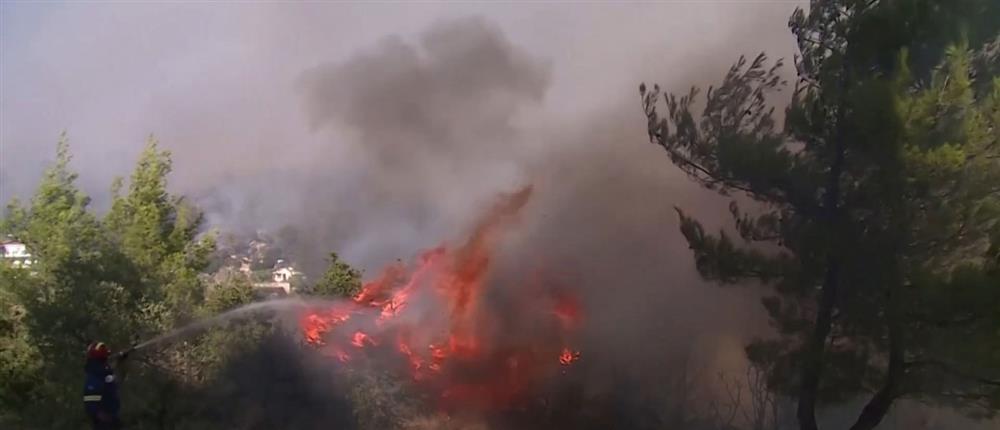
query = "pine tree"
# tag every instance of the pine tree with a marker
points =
(879, 192)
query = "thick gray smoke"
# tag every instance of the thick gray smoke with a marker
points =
(427, 133)
(432, 132)
(433, 128)
(406, 140)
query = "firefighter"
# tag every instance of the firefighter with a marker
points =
(100, 390)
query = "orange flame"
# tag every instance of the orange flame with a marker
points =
(454, 341)
(315, 325)
(360, 339)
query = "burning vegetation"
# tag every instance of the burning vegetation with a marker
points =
(475, 343)
(863, 184)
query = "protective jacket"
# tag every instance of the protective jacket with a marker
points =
(100, 392)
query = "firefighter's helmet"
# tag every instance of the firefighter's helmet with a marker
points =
(98, 351)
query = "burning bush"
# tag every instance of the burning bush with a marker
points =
(472, 342)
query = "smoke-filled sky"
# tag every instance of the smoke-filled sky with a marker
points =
(376, 130)
(373, 127)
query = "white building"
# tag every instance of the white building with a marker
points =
(281, 280)
(245, 266)
(284, 274)
(16, 252)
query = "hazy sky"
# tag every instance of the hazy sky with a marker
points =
(218, 79)
(376, 130)
(221, 85)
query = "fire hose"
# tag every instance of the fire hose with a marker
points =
(121, 355)
(136, 345)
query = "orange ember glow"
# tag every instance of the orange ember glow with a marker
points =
(360, 339)
(444, 331)
(568, 357)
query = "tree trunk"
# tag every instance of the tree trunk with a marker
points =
(812, 367)
(879, 405)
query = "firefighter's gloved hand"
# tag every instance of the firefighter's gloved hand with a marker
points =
(124, 354)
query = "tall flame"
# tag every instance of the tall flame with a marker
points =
(439, 324)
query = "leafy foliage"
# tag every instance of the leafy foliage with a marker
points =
(135, 273)
(339, 280)
(128, 276)
(20, 362)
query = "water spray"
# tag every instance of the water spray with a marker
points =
(196, 326)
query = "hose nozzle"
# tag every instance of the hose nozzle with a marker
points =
(124, 354)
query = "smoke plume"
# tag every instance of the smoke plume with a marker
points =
(434, 127)
(397, 145)
(431, 128)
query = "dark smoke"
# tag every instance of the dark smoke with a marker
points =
(434, 132)
(436, 138)
(412, 138)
